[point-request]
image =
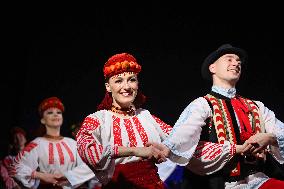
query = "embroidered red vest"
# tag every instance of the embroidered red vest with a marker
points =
(225, 124)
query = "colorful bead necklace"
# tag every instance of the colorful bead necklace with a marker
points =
(124, 111)
(53, 137)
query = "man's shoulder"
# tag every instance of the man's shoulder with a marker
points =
(198, 101)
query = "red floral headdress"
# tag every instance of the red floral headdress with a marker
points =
(120, 63)
(49, 103)
(17, 129)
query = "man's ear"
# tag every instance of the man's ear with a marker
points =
(212, 68)
(107, 87)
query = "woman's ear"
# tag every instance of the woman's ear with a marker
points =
(42, 121)
(107, 87)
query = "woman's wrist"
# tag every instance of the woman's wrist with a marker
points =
(36, 175)
(136, 151)
(127, 151)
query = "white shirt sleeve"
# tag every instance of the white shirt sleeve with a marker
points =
(185, 135)
(92, 150)
(210, 157)
(274, 126)
(79, 174)
(202, 157)
(26, 163)
(165, 169)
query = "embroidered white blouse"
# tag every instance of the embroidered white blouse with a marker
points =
(102, 132)
(51, 157)
(205, 158)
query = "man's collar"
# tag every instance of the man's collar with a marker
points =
(229, 93)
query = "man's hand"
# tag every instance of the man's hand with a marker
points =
(259, 142)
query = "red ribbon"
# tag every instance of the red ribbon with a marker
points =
(242, 112)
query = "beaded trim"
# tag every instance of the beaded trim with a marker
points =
(53, 137)
(124, 111)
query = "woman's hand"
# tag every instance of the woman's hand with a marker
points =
(162, 149)
(62, 181)
(151, 153)
(48, 177)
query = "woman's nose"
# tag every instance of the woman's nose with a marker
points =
(126, 85)
(56, 114)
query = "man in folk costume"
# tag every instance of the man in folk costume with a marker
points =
(226, 140)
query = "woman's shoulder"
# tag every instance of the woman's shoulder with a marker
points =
(98, 114)
(69, 140)
(33, 144)
(36, 140)
(142, 110)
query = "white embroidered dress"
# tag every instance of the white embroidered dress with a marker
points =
(51, 157)
(102, 132)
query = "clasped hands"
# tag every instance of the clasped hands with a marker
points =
(256, 145)
(156, 152)
(56, 179)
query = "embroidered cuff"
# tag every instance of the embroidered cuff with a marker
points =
(233, 149)
(33, 175)
(280, 140)
(114, 152)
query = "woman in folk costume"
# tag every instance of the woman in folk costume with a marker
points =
(17, 141)
(47, 161)
(113, 140)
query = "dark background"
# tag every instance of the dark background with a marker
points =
(53, 54)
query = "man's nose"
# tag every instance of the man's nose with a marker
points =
(236, 63)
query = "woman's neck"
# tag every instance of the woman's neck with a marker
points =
(122, 105)
(52, 131)
(53, 138)
(125, 111)
(53, 134)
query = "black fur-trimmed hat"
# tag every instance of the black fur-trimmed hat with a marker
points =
(222, 50)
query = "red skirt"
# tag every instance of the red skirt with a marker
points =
(136, 175)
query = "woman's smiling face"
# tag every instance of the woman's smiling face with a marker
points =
(123, 88)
